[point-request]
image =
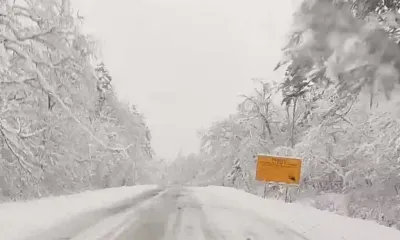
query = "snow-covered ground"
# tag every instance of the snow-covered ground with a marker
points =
(21, 219)
(221, 212)
(307, 221)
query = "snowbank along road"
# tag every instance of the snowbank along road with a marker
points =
(166, 214)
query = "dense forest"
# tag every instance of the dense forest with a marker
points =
(62, 128)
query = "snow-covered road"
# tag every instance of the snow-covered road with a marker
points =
(175, 213)
(168, 214)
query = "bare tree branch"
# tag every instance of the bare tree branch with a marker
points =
(266, 121)
(24, 165)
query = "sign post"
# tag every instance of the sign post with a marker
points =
(278, 169)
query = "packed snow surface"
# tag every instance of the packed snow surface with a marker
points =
(178, 213)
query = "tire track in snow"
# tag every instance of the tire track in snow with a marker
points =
(125, 225)
(73, 226)
(150, 222)
(173, 214)
(189, 221)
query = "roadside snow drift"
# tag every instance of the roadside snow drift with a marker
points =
(21, 219)
(306, 221)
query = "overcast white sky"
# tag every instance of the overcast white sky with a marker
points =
(184, 62)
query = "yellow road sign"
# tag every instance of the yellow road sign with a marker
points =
(278, 169)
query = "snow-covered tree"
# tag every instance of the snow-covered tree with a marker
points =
(55, 136)
(347, 44)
